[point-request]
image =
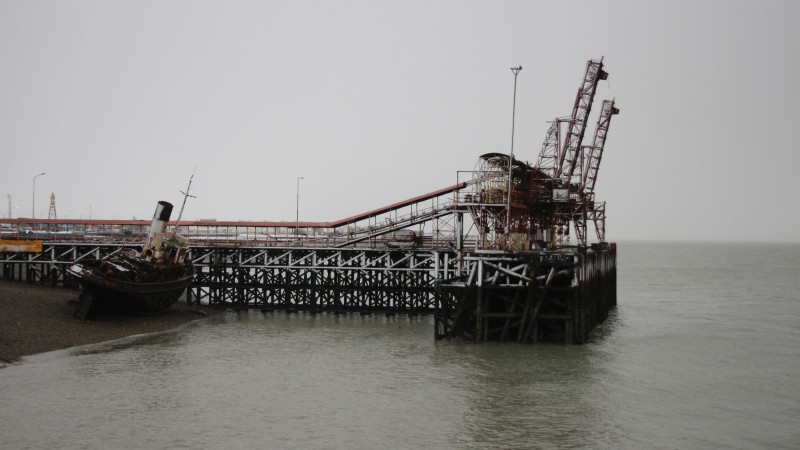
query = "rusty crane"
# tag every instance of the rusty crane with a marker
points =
(538, 205)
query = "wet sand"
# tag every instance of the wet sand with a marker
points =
(36, 319)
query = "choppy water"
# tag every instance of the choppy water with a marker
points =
(703, 351)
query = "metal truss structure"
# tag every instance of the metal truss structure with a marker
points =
(513, 206)
(49, 266)
(363, 280)
(428, 215)
(535, 297)
(571, 169)
(539, 205)
(491, 255)
(532, 297)
(576, 127)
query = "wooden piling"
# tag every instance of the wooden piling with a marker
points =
(532, 297)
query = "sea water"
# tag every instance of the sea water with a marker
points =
(703, 351)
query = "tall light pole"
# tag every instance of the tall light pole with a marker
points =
(297, 216)
(33, 201)
(515, 70)
(9, 205)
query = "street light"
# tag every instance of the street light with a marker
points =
(297, 216)
(33, 201)
(515, 70)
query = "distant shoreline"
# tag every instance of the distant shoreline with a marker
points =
(36, 319)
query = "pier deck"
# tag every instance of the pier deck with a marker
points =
(522, 297)
(491, 255)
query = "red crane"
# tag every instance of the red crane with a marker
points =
(595, 211)
(598, 144)
(573, 167)
(542, 203)
(560, 159)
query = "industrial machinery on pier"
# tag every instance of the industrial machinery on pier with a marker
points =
(553, 196)
(504, 204)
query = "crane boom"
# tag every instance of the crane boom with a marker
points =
(549, 155)
(598, 144)
(580, 113)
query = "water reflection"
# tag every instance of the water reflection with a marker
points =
(528, 396)
(325, 376)
(677, 365)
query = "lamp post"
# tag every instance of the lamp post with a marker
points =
(33, 200)
(297, 216)
(511, 157)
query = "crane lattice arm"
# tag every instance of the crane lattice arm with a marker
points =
(551, 149)
(598, 144)
(580, 113)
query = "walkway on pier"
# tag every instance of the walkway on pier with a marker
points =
(345, 232)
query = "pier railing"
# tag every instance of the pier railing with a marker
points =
(372, 232)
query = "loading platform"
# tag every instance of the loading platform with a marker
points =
(533, 297)
(501, 255)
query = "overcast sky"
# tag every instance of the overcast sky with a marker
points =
(374, 102)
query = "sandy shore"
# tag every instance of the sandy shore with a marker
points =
(36, 319)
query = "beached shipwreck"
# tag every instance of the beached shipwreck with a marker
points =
(144, 282)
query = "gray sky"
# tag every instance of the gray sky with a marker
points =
(373, 102)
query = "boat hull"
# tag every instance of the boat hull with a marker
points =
(105, 293)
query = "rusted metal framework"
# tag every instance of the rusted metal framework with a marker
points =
(539, 205)
(596, 211)
(51, 213)
(513, 206)
(490, 255)
(574, 177)
(580, 114)
(314, 279)
(426, 215)
(598, 144)
(524, 297)
(346, 280)
(48, 264)
(523, 282)
(528, 298)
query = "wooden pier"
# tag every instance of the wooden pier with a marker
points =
(555, 296)
(532, 297)
(501, 255)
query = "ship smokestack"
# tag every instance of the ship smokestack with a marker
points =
(155, 238)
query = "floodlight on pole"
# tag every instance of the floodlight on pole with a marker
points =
(33, 200)
(516, 71)
(297, 215)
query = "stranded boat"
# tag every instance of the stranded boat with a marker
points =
(145, 282)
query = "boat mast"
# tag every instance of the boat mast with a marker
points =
(185, 196)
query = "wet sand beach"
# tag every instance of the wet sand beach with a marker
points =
(36, 319)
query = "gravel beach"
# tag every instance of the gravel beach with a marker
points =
(36, 319)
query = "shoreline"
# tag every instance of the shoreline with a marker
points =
(37, 319)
